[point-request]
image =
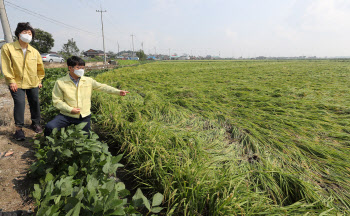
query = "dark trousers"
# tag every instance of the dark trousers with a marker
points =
(19, 102)
(61, 121)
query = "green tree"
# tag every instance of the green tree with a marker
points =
(142, 56)
(69, 49)
(111, 55)
(43, 41)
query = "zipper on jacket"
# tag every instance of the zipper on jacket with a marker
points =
(77, 87)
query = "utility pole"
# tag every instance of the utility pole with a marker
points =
(103, 36)
(118, 47)
(5, 23)
(132, 39)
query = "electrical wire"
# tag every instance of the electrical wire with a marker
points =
(46, 18)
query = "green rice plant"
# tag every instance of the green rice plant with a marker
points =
(234, 137)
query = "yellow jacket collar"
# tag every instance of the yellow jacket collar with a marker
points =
(18, 46)
(68, 79)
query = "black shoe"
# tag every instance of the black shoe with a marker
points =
(36, 128)
(19, 135)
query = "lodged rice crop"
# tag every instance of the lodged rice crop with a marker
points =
(235, 137)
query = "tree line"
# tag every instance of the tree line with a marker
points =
(44, 42)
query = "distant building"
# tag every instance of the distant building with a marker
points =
(92, 53)
(184, 57)
(174, 57)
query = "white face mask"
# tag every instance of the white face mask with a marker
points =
(25, 38)
(79, 72)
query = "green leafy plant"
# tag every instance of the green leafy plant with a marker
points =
(76, 177)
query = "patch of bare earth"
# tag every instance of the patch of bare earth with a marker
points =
(15, 186)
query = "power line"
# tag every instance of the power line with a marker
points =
(46, 18)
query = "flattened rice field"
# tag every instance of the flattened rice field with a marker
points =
(234, 137)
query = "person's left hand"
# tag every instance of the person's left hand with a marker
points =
(123, 93)
(40, 86)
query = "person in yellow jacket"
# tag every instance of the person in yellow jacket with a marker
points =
(23, 70)
(72, 96)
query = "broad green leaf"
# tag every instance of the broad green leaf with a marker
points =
(106, 168)
(67, 153)
(75, 211)
(112, 201)
(104, 192)
(94, 136)
(124, 193)
(66, 188)
(157, 199)
(130, 210)
(57, 199)
(49, 188)
(72, 170)
(146, 203)
(37, 192)
(95, 148)
(103, 157)
(71, 204)
(120, 186)
(78, 193)
(109, 185)
(43, 211)
(51, 139)
(117, 158)
(119, 211)
(54, 131)
(156, 209)
(53, 210)
(80, 126)
(98, 206)
(49, 177)
(139, 196)
(113, 168)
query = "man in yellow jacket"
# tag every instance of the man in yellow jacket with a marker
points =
(72, 96)
(23, 70)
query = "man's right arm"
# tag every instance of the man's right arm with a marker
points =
(57, 99)
(6, 64)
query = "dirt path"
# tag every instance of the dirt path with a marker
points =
(14, 186)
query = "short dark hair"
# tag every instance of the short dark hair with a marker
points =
(74, 61)
(24, 26)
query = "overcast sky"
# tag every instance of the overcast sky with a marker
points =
(229, 28)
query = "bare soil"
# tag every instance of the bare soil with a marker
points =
(15, 187)
(64, 64)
